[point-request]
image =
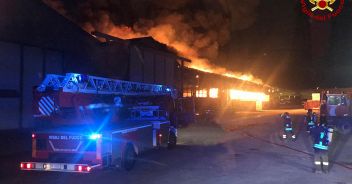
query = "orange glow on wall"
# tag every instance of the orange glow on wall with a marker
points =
(187, 93)
(202, 93)
(214, 92)
(258, 105)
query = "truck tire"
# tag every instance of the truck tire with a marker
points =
(172, 140)
(129, 157)
(345, 128)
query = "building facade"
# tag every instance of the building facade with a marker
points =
(35, 40)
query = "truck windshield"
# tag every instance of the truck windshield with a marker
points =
(334, 100)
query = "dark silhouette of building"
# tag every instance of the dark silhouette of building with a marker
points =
(35, 40)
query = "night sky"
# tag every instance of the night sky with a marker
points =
(271, 39)
(290, 50)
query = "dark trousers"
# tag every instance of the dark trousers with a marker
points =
(309, 127)
(288, 134)
(321, 160)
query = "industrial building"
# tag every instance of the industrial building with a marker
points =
(35, 40)
(219, 93)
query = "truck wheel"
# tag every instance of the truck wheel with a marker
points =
(345, 128)
(172, 140)
(129, 157)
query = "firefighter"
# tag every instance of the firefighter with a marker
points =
(324, 96)
(310, 119)
(343, 99)
(323, 109)
(321, 138)
(323, 120)
(288, 128)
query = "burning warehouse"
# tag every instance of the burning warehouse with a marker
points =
(98, 88)
(33, 45)
(216, 92)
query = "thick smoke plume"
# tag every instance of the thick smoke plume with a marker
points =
(197, 29)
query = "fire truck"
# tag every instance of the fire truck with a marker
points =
(338, 111)
(84, 123)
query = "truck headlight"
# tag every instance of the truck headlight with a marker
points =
(95, 136)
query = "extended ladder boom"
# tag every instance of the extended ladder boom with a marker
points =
(79, 83)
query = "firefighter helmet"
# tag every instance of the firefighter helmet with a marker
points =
(285, 115)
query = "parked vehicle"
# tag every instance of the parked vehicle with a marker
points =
(86, 123)
(338, 108)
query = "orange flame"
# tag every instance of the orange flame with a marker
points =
(167, 35)
(163, 31)
(205, 66)
(248, 96)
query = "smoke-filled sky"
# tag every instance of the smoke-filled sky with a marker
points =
(204, 25)
(270, 39)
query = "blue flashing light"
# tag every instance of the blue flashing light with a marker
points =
(168, 89)
(95, 136)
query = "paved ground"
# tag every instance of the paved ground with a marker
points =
(243, 148)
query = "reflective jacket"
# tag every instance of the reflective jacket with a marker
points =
(320, 137)
(310, 120)
(287, 123)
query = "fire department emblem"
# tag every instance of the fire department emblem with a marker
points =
(322, 10)
(322, 4)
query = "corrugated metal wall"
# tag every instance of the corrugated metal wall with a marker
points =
(10, 64)
(21, 68)
(35, 40)
(151, 66)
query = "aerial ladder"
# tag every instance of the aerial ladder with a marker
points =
(87, 85)
(79, 83)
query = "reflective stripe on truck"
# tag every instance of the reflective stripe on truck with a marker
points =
(61, 167)
(124, 131)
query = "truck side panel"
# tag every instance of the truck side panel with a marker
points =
(140, 137)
